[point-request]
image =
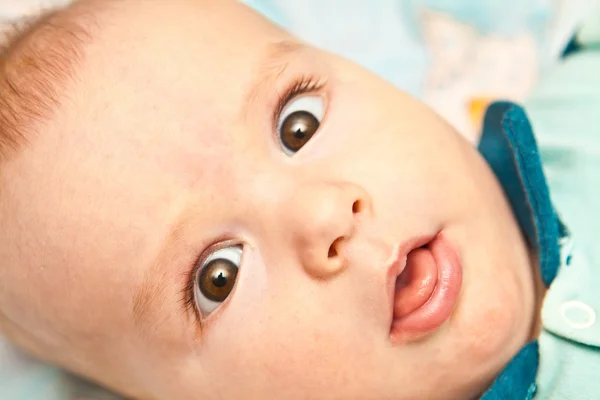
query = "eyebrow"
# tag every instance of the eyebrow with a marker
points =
(274, 63)
(150, 294)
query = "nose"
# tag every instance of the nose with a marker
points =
(322, 218)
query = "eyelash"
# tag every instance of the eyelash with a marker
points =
(301, 85)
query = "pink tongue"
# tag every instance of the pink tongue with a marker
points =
(415, 284)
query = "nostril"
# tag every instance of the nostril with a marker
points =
(357, 207)
(333, 249)
(332, 252)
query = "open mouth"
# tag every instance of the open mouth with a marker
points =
(425, 285)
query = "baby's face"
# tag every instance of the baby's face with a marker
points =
(218, 211)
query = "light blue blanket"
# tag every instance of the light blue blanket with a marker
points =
(453, 54)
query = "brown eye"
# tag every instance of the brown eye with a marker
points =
(299, 122)
(217, 278)
(297, 129)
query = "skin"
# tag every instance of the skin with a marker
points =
(158, 132)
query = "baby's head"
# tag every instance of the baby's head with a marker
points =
(195, 204)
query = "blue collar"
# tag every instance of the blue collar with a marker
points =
(509, 147)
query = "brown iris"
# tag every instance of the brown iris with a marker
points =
(297, 129)
(217, 279)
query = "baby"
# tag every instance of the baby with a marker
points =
(196, 205)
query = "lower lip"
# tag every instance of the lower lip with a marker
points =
(438, 308)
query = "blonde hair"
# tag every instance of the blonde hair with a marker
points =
(38, 57)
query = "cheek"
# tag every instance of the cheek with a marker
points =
(267, 353)
(291, 340)
(488, 330)
(492, 322)
(387, 144)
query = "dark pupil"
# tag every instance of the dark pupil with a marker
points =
(297, 129)
(217, 279)
(220, 280)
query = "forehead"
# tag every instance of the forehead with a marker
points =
(177, 51)
(173, 80)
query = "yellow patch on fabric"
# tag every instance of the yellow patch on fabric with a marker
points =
(476, 109)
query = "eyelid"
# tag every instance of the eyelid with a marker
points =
(302, 85)
(219, 245)
(305, 103)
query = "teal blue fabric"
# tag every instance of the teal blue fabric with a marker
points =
(509, 147)
(508, 144)
(563, 110)
(517, 381)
